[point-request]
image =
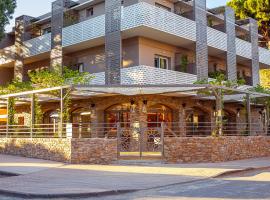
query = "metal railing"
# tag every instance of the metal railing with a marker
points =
(112, 130)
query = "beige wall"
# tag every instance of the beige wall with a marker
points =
(166, 3)
(94, 58)
(99, 9)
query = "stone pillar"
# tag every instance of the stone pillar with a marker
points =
(248, 114)
(254, 38)
(182, 120)
(201, 39)
(113, 42)
(94, 122)
(231, 46)
(20, 36)
(57, 21)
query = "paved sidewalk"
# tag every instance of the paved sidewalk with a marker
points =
(21, 165)
(57, 179)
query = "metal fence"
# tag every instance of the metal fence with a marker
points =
(112, 130)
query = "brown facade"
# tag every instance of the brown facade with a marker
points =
(90, 151)
(194, 150)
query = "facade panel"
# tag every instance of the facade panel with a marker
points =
(201, 39)
(231, 46)
(254, 38)
(113, 41)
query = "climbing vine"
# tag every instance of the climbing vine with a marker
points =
(45, 79)
(219, 79)
(11, 111)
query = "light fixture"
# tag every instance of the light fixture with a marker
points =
(238, 112)
(85, 113)
(144, 107)
(184, 105)
(93, 108)
(132, 106)
(214, 111)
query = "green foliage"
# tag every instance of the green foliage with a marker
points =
(265, 80)
(38, 111)
(67, 104)
(15, 86)
(220, 81)
(184, 63)
(45, 79)
(11, 111)
(7, 8)
(257, 9)
(49, 78)
(260, 89)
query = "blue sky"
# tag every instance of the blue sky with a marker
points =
(38, 7)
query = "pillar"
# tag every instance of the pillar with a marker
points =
(254, 38)
(113, 42)
(248, 114)
(231, 46)
(182, 120)
(21, 35)
(57, 21)
(201, 39)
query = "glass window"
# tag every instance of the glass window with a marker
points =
(89, 12)
(163, 7)
(161, 62)
(46, 30)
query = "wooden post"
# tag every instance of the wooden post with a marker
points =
(32, 115)
(7, 118)
(118, 140)
(248, 115)
(61, 112)
(219, 113)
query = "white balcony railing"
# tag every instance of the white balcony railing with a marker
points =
(38, 45)
(138, 15)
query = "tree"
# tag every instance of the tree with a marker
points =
(257, 9)
(7, 8)
(219, 81)
(265, 80)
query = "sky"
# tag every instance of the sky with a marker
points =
(39, 7)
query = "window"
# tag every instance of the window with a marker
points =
(81, 67)
(89, 12)
(163, 7)
(46, 30)
(78, 67)
(161, 62)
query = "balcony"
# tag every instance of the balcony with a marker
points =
(147, 75)
(134, 18)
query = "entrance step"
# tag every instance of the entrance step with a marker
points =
(142, 162)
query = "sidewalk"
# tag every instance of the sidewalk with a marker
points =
(44, 178)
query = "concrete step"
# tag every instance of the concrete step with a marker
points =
(140, 162)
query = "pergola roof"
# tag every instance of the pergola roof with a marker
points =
(88, 91)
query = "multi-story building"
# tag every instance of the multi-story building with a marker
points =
(141, 42)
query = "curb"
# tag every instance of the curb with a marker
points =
(233, 172)
(112, 192)
(71, 195)
(2, 173)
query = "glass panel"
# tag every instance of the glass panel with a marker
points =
(156, 62)
(163, 63)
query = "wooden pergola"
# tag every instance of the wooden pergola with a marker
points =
(88, 91)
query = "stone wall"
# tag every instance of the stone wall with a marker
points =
(43, 148)
(90, 151)
(94, 151)
(209, 149)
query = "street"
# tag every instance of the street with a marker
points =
(249, 185)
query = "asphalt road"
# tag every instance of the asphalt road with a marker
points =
(250, 185)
